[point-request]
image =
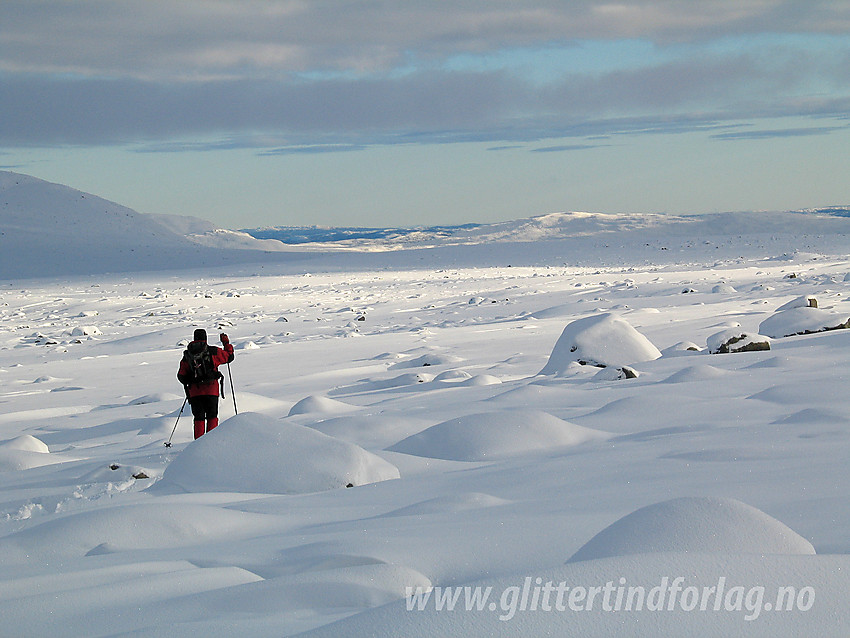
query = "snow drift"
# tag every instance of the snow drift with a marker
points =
(799, 320)
(696, 525)
(601, 340)
(480, 437)
(258, 454)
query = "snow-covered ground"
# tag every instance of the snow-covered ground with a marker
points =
(673, 492)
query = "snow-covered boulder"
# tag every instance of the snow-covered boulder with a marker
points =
(683, 348)
(315, 404)
(736, 340)
(723, 289)
(492, 435)
(258, 454)
(696, 525)
(616, 374)
(806, 301)
(799, 320)
(86, 331)
(601, 340)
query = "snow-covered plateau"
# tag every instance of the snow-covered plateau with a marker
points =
(427, 442)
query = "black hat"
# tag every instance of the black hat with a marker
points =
(200, 334)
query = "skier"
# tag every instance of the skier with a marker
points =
(200, 378)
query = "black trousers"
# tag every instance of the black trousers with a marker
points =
(204, 407)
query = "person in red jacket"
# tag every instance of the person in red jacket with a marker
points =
(200, 377)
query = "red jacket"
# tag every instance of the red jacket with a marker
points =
(210, 388)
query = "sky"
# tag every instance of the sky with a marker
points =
(254, 113)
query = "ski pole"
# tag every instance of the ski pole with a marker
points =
(232, 393)
(168, 442)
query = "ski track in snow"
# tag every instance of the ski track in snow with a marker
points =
(373, 356)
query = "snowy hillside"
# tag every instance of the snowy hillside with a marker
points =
(48, 230)
(523, 433)
(608, 229)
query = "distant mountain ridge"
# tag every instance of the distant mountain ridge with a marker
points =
(51, 230)
(550, 226)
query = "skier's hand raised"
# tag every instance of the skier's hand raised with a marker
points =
(224, 339)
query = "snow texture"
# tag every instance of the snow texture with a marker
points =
(601, 340)
(736, 340)
(480, 437)
(695, 525)
(717, 468)
(798, 320)
(253, 453)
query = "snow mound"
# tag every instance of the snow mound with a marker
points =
(695, 373)
(601, 340)
(480, 380)
(26, 443)
(85, 331)
(427, 360)
(453, 375)
(799, 320)
(681, 349)
(703, 525)
(555, 312)
(723, 289)
(319, 405)
(255, 453)
(492, 435)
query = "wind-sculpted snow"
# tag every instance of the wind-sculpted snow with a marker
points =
(494, 435)
(603, 340)
(695, 525)
(805, 320)
(410, 366)
(253, 453)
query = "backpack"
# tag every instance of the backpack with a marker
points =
(201, 367)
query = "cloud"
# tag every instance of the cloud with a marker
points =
(162, 39)
(769, 134)
(433, 106)
(297, 76)
(564, 148)
(313, 149)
